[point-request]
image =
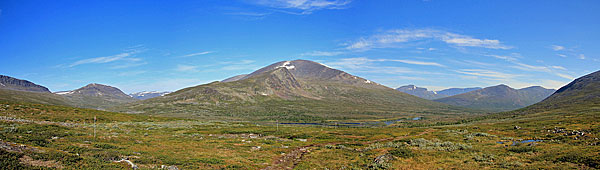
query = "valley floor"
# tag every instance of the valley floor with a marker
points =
(48, 137)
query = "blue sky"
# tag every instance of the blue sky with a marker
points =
(168, 45)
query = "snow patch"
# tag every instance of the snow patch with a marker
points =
(64, 92)
(2, 84)
(368, 81)
(288, 65)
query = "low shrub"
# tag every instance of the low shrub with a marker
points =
(402, 152)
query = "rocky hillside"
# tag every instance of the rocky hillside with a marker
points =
(11, 83)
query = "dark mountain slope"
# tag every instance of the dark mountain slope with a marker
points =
(11, 83)
(582, 91)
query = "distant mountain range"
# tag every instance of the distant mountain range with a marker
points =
(498, 98)
(430, 95)
(290, 90)
(95, 96)
(147, 94)
(301, 90)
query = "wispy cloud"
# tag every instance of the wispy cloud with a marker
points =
(527, 67)
(125, 56)
(363, 62)
(581, 56)
(419, 62)
(566, 76)
(323, 53)
(186, 68)
(557, 47)
(559, 67)
(250, 14)
(503, 57)
(131, 73)
(396, 38)
(302, 7)
(487, 74)
(196, 54)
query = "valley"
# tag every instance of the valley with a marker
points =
(269, 122)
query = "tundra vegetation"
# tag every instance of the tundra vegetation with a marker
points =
(37, 136)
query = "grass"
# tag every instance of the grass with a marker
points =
(63, 136)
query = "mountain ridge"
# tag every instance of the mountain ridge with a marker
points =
(431, 95)
(11, 83)
(499, 98)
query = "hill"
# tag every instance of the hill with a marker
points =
(291, 90)
(498, 98)
(11, 83)
(581, 92)
(97, 96)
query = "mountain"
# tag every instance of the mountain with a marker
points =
(583, 91)
(235, 78)
(147, 94)
(418, 91)
(11, 83)
(97, 96)
(431, 95)
(298, 90)
(455, 91)
(498, 98)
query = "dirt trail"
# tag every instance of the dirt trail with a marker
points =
(294, 157)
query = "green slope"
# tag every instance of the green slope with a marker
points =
(33, 97)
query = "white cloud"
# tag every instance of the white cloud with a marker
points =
(186, 68)
(559, 67)
(323, 53)
(394, 38)
(131, 73)
(363, 62)
(565, 76)
(487, 74)
(507, 58)
(562, 55)
(303, 7)
(196, 54)
(419, 62)
(581, 56)
(527, 67)
(118, 57)
(557, 47)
